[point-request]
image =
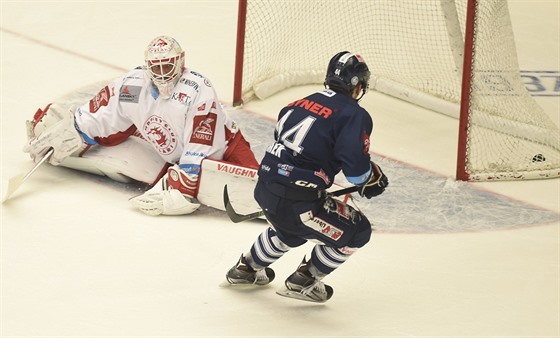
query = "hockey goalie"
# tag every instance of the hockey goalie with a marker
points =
(161, 124)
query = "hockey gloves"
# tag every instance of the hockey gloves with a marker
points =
(172, 195)
(376, 184)
(52, 128)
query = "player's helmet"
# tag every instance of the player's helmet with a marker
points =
(165, 61)
(345, 71)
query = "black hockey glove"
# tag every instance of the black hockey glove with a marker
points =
(376, 184)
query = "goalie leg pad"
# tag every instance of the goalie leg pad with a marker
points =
(133, 159)
(240, 181)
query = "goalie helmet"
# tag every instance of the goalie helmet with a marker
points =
(165, 61)
(345, 71)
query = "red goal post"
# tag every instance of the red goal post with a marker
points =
(456, 57)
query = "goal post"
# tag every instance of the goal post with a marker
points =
(456, 57)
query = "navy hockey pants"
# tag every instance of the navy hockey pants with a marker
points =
(325, 219)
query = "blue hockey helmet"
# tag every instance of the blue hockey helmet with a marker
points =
(345, 71)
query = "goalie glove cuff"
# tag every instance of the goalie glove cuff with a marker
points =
(170, 196)
(178, 179)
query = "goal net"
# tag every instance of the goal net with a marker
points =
(456, 57)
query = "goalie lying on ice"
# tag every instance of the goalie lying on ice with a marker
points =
(156, 124)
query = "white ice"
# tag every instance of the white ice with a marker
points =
(77, 261)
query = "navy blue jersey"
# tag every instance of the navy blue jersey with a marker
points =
(317, 137)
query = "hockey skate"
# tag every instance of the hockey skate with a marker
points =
(303, 286)
(242, 274)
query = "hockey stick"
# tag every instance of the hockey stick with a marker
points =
(236, 218)
(15, 182)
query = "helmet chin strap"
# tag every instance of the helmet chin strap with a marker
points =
(363, 90)
(359, 98)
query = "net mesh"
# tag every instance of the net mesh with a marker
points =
(415, 51)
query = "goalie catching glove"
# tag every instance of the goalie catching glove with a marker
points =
(376, 184)
(52, 128)
(173, 195)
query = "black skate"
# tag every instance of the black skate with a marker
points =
(303, 286)
(243, 273)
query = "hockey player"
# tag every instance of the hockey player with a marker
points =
(316, 137)
(157, 122)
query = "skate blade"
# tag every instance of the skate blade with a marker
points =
(297, 295)
(226, 284)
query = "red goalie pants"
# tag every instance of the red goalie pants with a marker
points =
(239, 152)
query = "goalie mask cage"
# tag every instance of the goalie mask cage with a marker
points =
(455, 57)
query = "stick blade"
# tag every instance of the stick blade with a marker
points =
(13, 184)
(234, 216)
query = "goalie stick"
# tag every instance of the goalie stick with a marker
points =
(236, 218)
(15, 182)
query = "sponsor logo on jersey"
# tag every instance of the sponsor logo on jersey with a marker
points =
(322, 175)
(206, 81)
(265, 168)
(130, 94)
(160, 134)
(181, 98)
(285, 166)
(203, 129)
(197, 74)
(190, 83)
(365, 137)
(323, 227)
(101, 99)
(283, 172)
(194, 154)
(285, 169)
(328, 92)
(305, 184)
(313, 107)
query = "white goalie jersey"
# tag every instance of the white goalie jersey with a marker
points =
(186, 128)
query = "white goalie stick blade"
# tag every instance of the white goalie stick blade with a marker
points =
(285, 292)
(15, 182)
(234, 216)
